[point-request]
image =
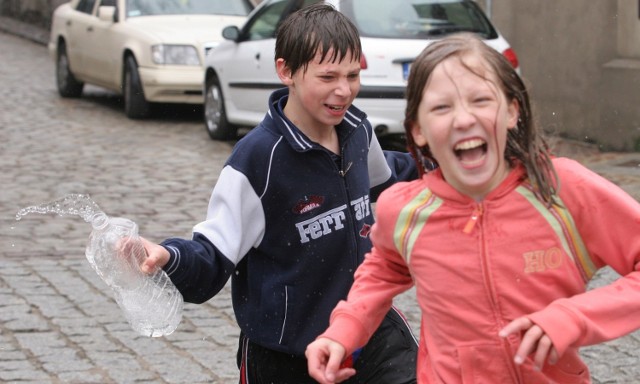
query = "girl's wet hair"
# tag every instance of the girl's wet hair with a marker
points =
(316, 28)
(524, 142)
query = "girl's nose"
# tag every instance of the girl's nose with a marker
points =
(463, 118)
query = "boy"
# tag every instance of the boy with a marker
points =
(290, 215)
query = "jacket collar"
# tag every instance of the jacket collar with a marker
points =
(296, 138)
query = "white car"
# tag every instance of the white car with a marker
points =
(241, 74)
(148, 50)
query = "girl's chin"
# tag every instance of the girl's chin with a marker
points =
(478, 180)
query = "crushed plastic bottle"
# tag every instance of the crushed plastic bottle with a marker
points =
(150, 302)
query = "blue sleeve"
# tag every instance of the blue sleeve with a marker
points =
(197, 268)
(403, 168)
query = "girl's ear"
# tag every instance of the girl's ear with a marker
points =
(418, 137)
(513, 114)
(284, 72)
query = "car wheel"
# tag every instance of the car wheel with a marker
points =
(135, 105)
(68, 86)
(215, 117)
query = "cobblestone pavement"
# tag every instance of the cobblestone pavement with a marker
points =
(58, 322)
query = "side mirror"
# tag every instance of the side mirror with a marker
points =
(231, 33)
(107, 13)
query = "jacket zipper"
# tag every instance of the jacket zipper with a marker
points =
(473, 220)
(343, 172)
(476, 216)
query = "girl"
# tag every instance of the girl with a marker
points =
(500, 240)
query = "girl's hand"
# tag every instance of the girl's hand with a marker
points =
(534, 340)
(323, 358)
(157, 256)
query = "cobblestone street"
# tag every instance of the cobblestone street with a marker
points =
(58, 321)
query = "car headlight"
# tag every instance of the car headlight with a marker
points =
(175, 54)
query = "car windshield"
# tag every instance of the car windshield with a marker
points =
(137, 8)
(417, 19)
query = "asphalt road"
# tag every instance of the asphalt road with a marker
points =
(58, 321)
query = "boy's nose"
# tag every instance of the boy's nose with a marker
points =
(343, 88)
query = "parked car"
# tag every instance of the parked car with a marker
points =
(241, 75)
(147, 50)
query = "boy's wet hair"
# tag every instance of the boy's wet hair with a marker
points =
(316, 28)
(524, 143)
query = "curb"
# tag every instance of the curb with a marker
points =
(28, 31)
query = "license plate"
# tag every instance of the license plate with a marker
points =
(406, 67)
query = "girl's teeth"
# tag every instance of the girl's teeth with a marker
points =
(469, 144)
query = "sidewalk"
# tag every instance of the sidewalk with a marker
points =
(622, 168)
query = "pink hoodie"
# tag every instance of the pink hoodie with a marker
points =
(477, 266)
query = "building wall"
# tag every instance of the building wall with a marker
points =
(582, 63)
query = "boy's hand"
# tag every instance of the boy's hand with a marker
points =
(323, 358)
(534, 339)
(157, 256)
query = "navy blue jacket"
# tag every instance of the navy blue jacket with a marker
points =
(289, 222)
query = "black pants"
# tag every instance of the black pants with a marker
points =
(388, 358)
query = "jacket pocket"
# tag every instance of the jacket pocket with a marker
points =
(570, 370)
(484, 364)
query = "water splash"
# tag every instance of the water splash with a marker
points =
(151, 303)
(72, 204)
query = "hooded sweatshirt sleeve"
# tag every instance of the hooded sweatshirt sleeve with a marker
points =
(608, 221)
(235, 222)
(388, 167)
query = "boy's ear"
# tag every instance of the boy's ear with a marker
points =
(284, 72)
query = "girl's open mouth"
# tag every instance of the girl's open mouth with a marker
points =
(471, 150)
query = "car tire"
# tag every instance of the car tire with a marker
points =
(215, 116)
(67, 84)
(135, 104)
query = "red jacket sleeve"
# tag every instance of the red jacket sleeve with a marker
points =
(608, 220)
